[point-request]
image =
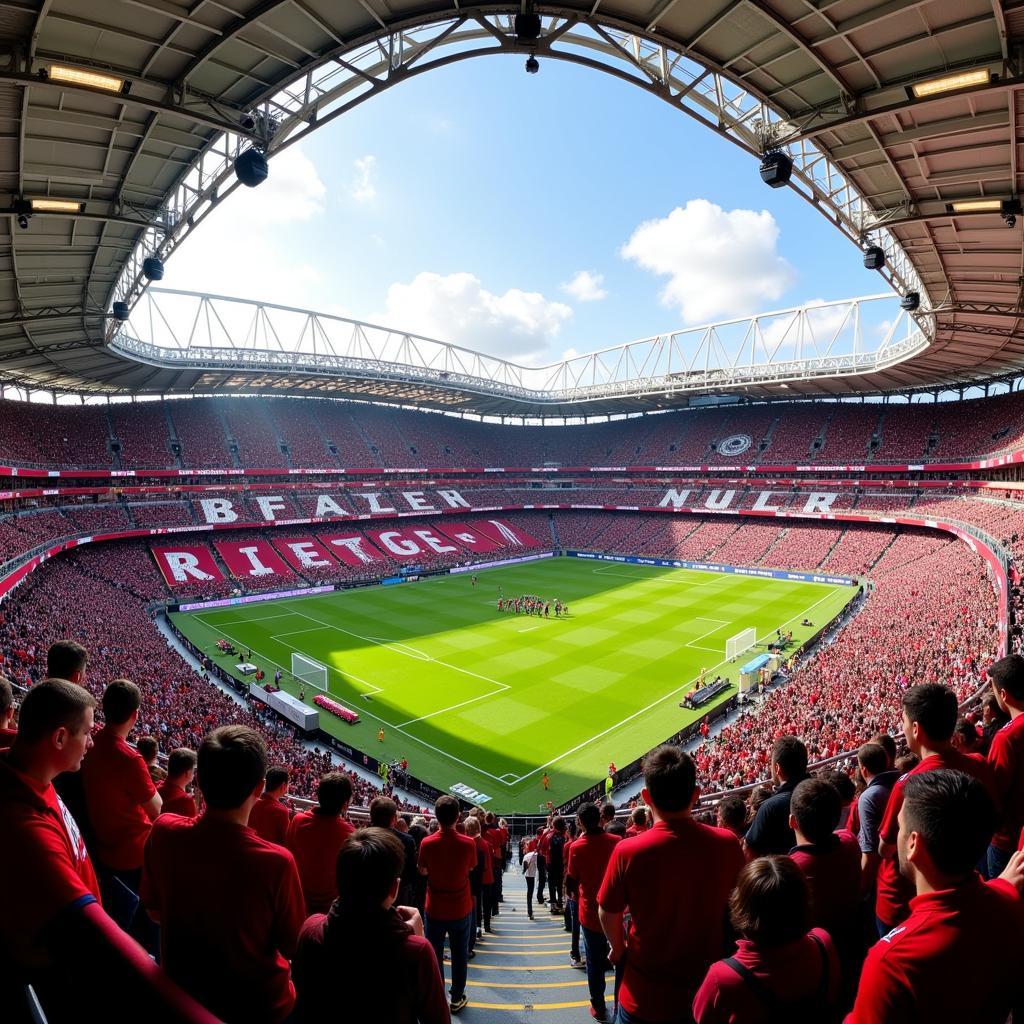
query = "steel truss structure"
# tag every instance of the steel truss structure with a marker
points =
(364, 68)
(244, 341)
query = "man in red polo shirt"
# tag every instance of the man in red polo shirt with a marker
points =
(228, 903)
(447, 859)
(830, 861)
(1006, 760)
(181, 769)
(589, 854)
(8, 733)
(122, 802)
(54, 934)
(929, 717)
(271, 817)
(957, 956)
(316, 836)
(675, 879)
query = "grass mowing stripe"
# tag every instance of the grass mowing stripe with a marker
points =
(493, 702)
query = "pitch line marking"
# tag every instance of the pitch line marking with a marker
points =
(529, 629)
(669, 695)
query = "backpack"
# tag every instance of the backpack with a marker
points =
(815, 1008)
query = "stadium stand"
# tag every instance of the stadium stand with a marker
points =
(141, 432)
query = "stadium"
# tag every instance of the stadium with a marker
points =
(324, 644)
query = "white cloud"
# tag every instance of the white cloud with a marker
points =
(233, 253)
(364, 187)
(457, 308)
(720, 263)
(586, 287)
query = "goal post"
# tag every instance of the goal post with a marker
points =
(309, 672)
(736, 645)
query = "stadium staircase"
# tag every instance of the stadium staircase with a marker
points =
(555, 539)
(523, 968)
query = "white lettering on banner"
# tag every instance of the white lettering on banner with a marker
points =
(305, 552)
(467, 538)
(258, 568)
(817, 502)
(434, 542)
(355, 545)
(417, 501)
(761, 505)
(184, 564)
(677, 499)
(326, 506)
(506, 532)
(719, 499)
(375, 505)
(395, 542)
(218, 510)
(268, 506)
(453, 499)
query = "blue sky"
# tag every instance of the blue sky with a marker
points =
(466, 203)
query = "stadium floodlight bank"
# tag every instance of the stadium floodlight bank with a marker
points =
(736, 645)
(309, 672)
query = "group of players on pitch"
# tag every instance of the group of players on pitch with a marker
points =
(531, 604)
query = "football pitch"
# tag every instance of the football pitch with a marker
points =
(494, 700)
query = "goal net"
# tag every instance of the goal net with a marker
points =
(309, 672)
(739, 643)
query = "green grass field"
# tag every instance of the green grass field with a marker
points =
(493, 700)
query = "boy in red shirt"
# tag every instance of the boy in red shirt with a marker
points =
(588, 858)
(181, 769)
(957, 956)
(229, 904)
(447, 859)
(54, 934)
(930, 712)
(1006, 760)
(675, 879)
(316, 836)
(271, 817)
(367, 947)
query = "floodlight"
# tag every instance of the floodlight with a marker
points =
(874, 257)
(776, 168)
(1010, 211)
(22, 208)
(976, 206)
(42, 204)
(83, 76)
(251, 168)
(951, 83)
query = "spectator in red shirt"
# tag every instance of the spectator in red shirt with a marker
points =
(229, 904)
(8, 733)
(957, 956)
(447, 859)
(781, 970)
(67, 659)
(367, 947)
(929, 716)
(481, 883)
(270, 817)
(675, 879)
(830, 861)
(149, 750)
(181, 769)
(1006, 760)
(315, 838)
(731, 814)
(588, 858)
(123, 803)
(556, 864)
(637, 823)
(53, 931)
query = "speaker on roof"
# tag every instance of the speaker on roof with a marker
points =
(911, 301)
(874, 257)
(153, 268)
(121, 311)
(251, 168)
(776, 168)
(527, 27)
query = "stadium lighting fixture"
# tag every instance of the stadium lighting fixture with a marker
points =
(42, 204)
(532, 65)
(976, 206)
(950, 83)
(83, 76)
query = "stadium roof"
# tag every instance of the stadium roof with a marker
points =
(145, 144)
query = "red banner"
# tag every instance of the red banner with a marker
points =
(400, 544)
(304, 553)
(251, 559)
(352, 548)
(504, 534)
(464, 534)
(186, 563)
